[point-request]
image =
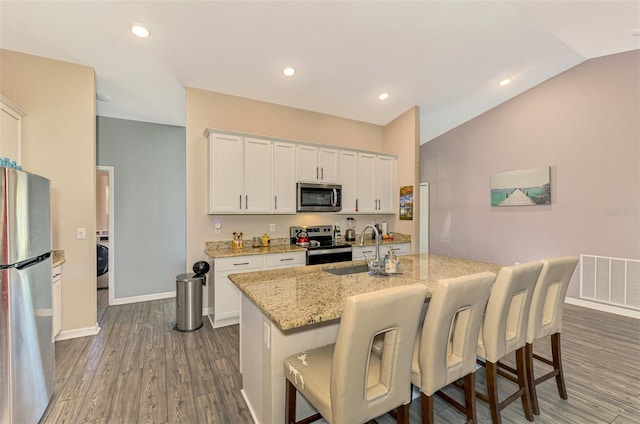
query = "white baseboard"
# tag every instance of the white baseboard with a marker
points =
(603, 307)
(143, 298)
(78, 332)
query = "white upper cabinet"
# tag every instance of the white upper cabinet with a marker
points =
(284, 178)
(226, 173)
(258, 175)
(316, 164)
(348, 177)
(240, 174)
(375, 184)
(251, 175)
(10, 130)
(366, 190)
(384, 184)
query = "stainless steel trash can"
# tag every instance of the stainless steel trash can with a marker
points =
(189, 301)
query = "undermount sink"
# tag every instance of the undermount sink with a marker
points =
(354, 269)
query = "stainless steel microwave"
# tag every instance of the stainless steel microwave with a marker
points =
(319, 197)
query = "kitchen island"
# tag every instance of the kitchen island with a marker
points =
(289, 310)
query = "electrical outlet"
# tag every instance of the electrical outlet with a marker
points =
(272, 227)
(81, 233)
(217, 227)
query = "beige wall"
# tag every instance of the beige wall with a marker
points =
(402, 138)
(584, 124)
(59, 143)
(206, 109)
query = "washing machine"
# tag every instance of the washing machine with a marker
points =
(102, 249)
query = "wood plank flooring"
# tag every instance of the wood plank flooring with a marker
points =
(139, 370)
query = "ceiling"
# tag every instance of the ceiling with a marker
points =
(446, 57)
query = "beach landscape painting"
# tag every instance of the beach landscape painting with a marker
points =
(525, 187)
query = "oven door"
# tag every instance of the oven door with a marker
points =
(326, 256)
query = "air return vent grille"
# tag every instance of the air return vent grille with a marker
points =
(613, 281)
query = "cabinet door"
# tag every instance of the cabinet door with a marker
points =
(366, 175)
(401, 249)
(56, 300)
(307, 168)
(348, 165)
(284, 178)
(328, 165)
(359, 252)
(384, 184)
(10, 130)
(226, 164)
(285, 260)
(226, 296)
(258, 174)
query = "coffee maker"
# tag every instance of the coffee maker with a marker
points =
(350, 234)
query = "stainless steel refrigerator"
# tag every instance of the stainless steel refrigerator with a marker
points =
(26, 344)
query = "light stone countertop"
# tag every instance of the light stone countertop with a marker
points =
(222, 249)
(57, 257)
(298, 297)
(368, 241)
(227, 252)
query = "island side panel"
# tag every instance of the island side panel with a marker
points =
(251, 355)
(261, 365)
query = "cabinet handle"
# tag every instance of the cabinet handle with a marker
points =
(241, 263)
(317, 172)
(246, 201)
(356, 205)
(322, 173)
(286, 259)
(240, 201)
(276, 200)
(395, 248)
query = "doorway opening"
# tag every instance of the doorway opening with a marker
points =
(105, 237)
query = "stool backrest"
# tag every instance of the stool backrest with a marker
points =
(358, 393)
(547, 303)
(504, 329)
(449, 335)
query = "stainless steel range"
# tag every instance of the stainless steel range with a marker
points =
(321, 248)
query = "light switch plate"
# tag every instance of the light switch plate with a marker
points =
(81, 233)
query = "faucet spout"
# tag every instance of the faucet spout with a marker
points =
(374, 266)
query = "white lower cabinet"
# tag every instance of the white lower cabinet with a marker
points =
(56, 289)
(226, 296)
(399, 249)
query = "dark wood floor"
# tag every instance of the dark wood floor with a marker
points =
(139, 370)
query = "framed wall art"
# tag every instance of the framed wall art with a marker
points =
(525, 187)
(406, 203)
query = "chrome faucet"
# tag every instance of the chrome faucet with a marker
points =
(375, 266)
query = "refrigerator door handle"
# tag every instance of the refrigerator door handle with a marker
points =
(26, 264)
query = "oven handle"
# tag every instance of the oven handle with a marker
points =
(315, 252)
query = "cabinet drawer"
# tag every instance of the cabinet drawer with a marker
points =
(238, 263)
(285, 260)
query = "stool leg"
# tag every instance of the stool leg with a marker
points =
(403, 414)
(470, 397)
(290, 401)
(427, 408)
(523, 383)
(557, 365)
(492, 391)
(531, 380)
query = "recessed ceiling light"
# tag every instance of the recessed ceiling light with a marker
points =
(289, 71)
(505, 82)
(139, 31)
(383, 96)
